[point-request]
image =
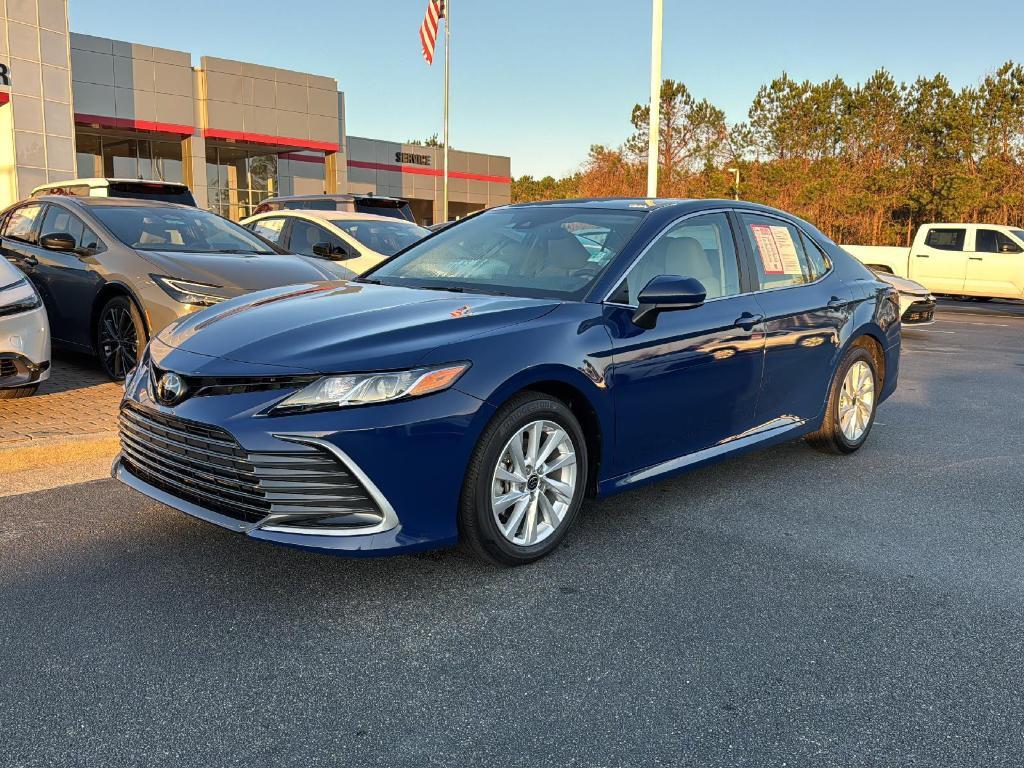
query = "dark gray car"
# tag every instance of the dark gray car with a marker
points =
(113, 272)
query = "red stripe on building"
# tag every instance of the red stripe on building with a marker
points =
(152, 126)
(422, 171)
(262, 138)
(303, 158)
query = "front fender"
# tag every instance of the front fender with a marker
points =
(569, 347)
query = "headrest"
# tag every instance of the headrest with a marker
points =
(566, 253)
(686, 252)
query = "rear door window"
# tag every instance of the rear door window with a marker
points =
(23, 223)
(946, 239)
(780, 254)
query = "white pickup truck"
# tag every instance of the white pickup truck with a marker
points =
(982, 260)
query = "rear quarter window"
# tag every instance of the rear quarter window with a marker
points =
(946, 239)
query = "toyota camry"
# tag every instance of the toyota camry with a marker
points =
(480, 384)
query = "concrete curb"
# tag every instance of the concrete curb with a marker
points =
(57, 451)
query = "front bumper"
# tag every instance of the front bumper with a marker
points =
(916, 309)
(410, 456)
(25, 348)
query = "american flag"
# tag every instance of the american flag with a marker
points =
(428, 29)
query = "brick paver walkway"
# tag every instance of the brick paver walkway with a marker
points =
(76, 400)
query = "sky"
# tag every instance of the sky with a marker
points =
(543, 80)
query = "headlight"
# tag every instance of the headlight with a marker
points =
(366, 388)
(17, 297)
(184, 292)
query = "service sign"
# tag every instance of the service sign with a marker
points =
(409, 158)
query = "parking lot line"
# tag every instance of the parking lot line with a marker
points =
(968, 322)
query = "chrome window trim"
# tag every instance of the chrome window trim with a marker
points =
(389, 522)
(738, 212)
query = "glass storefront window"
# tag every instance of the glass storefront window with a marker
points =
(126, 157)
(87, 156)
(167, 162)
(240, 178)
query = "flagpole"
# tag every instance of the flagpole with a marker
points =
(447, 38)
(654, 124)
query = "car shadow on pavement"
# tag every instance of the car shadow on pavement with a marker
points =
(72, 370)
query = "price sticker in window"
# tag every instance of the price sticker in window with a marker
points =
(777, 250)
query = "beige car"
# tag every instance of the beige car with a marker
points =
(360, 240)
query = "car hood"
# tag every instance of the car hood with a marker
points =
(337, 326)
(902, 284)
(241, 273)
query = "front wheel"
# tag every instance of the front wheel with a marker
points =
(851, 405)
(526, 481)
(120, 335)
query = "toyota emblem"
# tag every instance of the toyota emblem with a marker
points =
(171, 389)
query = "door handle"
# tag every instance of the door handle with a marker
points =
(836, 303)
(975, 258)
(922, 255)
(748, 320)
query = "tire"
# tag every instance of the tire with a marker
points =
(17, 392)
(832, 437)
(483, 490)
(120, 337)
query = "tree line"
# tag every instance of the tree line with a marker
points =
(866, 163)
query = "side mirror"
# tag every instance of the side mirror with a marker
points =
(667, 293)
(58, 241)
(335, 252)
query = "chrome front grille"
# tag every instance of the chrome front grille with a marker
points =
(7, 368)
(303, 487)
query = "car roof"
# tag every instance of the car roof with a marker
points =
(100, 181)
(343, 197)
(119, 202)
(678, 204)
(329, 216)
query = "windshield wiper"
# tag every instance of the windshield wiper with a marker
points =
(368, 281)
(448, 289)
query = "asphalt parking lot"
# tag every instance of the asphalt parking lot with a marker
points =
(787, 608)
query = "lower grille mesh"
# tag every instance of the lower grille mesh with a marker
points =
(303, 487)
(7, 368)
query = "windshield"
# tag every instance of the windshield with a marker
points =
(387, 237)
(177, 229)
(536, 251)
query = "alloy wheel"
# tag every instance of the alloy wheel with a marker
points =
(119, 341)
(534, 483)
(856, 401)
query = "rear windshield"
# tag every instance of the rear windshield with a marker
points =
(166, 193)
(177, 229)
(395, 209)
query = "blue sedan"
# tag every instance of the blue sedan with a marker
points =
(480, 384)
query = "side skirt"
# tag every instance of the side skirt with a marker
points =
(780, 430)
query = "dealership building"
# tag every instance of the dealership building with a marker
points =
(75, 105)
